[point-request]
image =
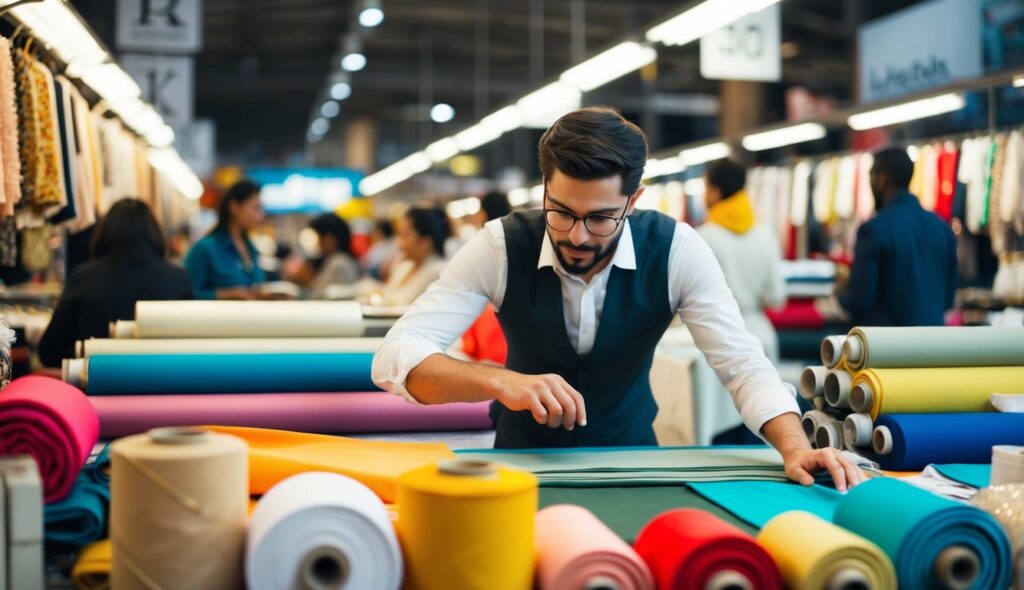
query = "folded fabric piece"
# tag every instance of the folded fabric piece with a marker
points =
(920, 439)
(931, 390)
(976, 476)
(1008, 403)
(329, 413)
(275, 455)
(92, 570)
(689, 549)
(916, 529)
(594, 467)
(54, 423)
(757, 502)
(626, 510)
(934, 347)
(813, 553)
(576, 551)
(227, 373)
(936, 482)
(82, 516)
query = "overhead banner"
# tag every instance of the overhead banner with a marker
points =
(748, 49)
(925, 46)
(196, 143)
(167, 83)
(166, 26)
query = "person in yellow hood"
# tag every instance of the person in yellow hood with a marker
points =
(747, 251)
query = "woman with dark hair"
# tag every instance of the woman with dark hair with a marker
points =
(336, 265)
(420, 235)
(128, 266)
(225, 264)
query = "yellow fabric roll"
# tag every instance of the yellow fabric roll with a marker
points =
(92, 570)
(811, 552)
(937, 390)
(275, 455)
(467, 531)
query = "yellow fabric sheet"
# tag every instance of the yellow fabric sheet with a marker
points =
(92, 570)
(938, 390)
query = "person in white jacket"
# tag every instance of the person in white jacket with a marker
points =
(747, 251)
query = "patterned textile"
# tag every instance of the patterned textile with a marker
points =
(35, 248)
(9, 153)
(49, 172)
(27, 120)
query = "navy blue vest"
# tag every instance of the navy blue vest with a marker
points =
(613, 378)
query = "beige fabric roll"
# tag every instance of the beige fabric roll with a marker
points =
(248, 319)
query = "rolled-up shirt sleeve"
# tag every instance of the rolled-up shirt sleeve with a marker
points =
(474, 276)
(709, 310)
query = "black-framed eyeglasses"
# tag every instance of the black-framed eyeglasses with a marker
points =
(601, 226)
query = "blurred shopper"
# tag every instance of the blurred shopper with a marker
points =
(376, 261)
(421, 235)
(336, 266)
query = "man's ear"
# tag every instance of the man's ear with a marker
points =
(634, 198)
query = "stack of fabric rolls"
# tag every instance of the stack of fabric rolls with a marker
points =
(301, 365)
(908, 397)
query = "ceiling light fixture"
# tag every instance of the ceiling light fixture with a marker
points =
(908, 111)
(341, 90)
(330, 109)
(442, 113)
(705, 153)
(353, 62)
(707, 17)
(609, 65)
(784, 136)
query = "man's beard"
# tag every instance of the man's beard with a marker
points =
(578, 268)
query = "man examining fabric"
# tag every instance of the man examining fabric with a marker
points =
(584, 290)
(905, 262)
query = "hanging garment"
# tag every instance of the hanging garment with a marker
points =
(990, 159)
(947, 181)
(782, 197)
(1013, 176)
(865, 198)
(845, 186)
(930, 176)
(997, 228)
(27, 123)
(8, 242)
(35, 248)
(49, 193)
(85, 192)
(800, 194)
(824, 190)
(917, 181)
(974, 174)
(11, 157)
(67, 151)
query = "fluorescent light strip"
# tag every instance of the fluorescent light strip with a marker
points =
(656, 168)
(1018, 82)
(784, 136)
(705, 153)
(53, 23)
(707, 17)
(503, 120)
(609, 65)
(908, 111)
(541, 107)
(442, 150)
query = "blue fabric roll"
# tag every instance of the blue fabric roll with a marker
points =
(921, 439)
(229, 373)
(914, 526)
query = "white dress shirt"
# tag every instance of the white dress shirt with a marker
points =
(697, 290)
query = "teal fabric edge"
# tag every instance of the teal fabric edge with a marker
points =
(757, 502)
(972, 474)
(573, 450)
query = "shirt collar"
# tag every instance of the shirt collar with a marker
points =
(624, 257)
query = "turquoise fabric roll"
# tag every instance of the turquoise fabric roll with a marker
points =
(81, 517)
(914, 526)
(229, 373)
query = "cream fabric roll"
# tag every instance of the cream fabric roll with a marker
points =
(248, 319)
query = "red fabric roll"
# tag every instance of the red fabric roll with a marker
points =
(687, 548)
(54, 423)
(799, 314)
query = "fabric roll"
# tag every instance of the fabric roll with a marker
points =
(932, 391)
(321, 530)
(483, 499)
(275, 455)
(92, 569)
(326, 413)
(576, 551)
(112, 346)
(920, 439)
(179, 510)
(857, 430)
(812, 420)
(829, 435)
(838, 387)
(227, 373)
(932, 542)
(813, 554)
(812, 382)
(1007, 464)
(832, 351)
(248, 319)
(690, 549)
(934, 347)
(54, 423)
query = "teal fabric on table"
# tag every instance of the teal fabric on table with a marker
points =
(914, 526)
(757, 502)
(976, 476)
(81, 517)
(639, 466)
(229, 373)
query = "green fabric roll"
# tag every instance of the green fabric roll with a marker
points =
(938, 347)
(626, 510)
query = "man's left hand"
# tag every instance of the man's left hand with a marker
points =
(801, 464)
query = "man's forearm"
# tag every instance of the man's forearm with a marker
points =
(440, 379)
(786, 434)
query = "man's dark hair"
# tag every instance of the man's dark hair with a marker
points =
(128, 231)
(430, 222)
(385, 228)
(594, 143)
(495, 205)
(896, 164)
(330, 224)
(729, 176)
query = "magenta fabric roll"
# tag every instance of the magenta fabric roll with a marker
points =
(54, 423)
(331, 413)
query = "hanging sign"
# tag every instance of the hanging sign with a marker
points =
(167, 83)
(748, 49)
(168, 26)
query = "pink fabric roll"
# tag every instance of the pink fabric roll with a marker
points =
(576, 551)
(54, 423)
(331, 413)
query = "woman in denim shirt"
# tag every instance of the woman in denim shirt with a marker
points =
(225, 264)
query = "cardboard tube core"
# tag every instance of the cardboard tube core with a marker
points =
(324, 568)
(854, 349)
(729, 580)
(848, 578)
(957, 567)
(601, 583)
(861, 398)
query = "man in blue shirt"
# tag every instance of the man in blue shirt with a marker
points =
(905, 262)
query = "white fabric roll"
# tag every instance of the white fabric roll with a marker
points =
(322, 530)
(248, 319)
(104, 346)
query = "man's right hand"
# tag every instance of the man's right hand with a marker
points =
(548, 398)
